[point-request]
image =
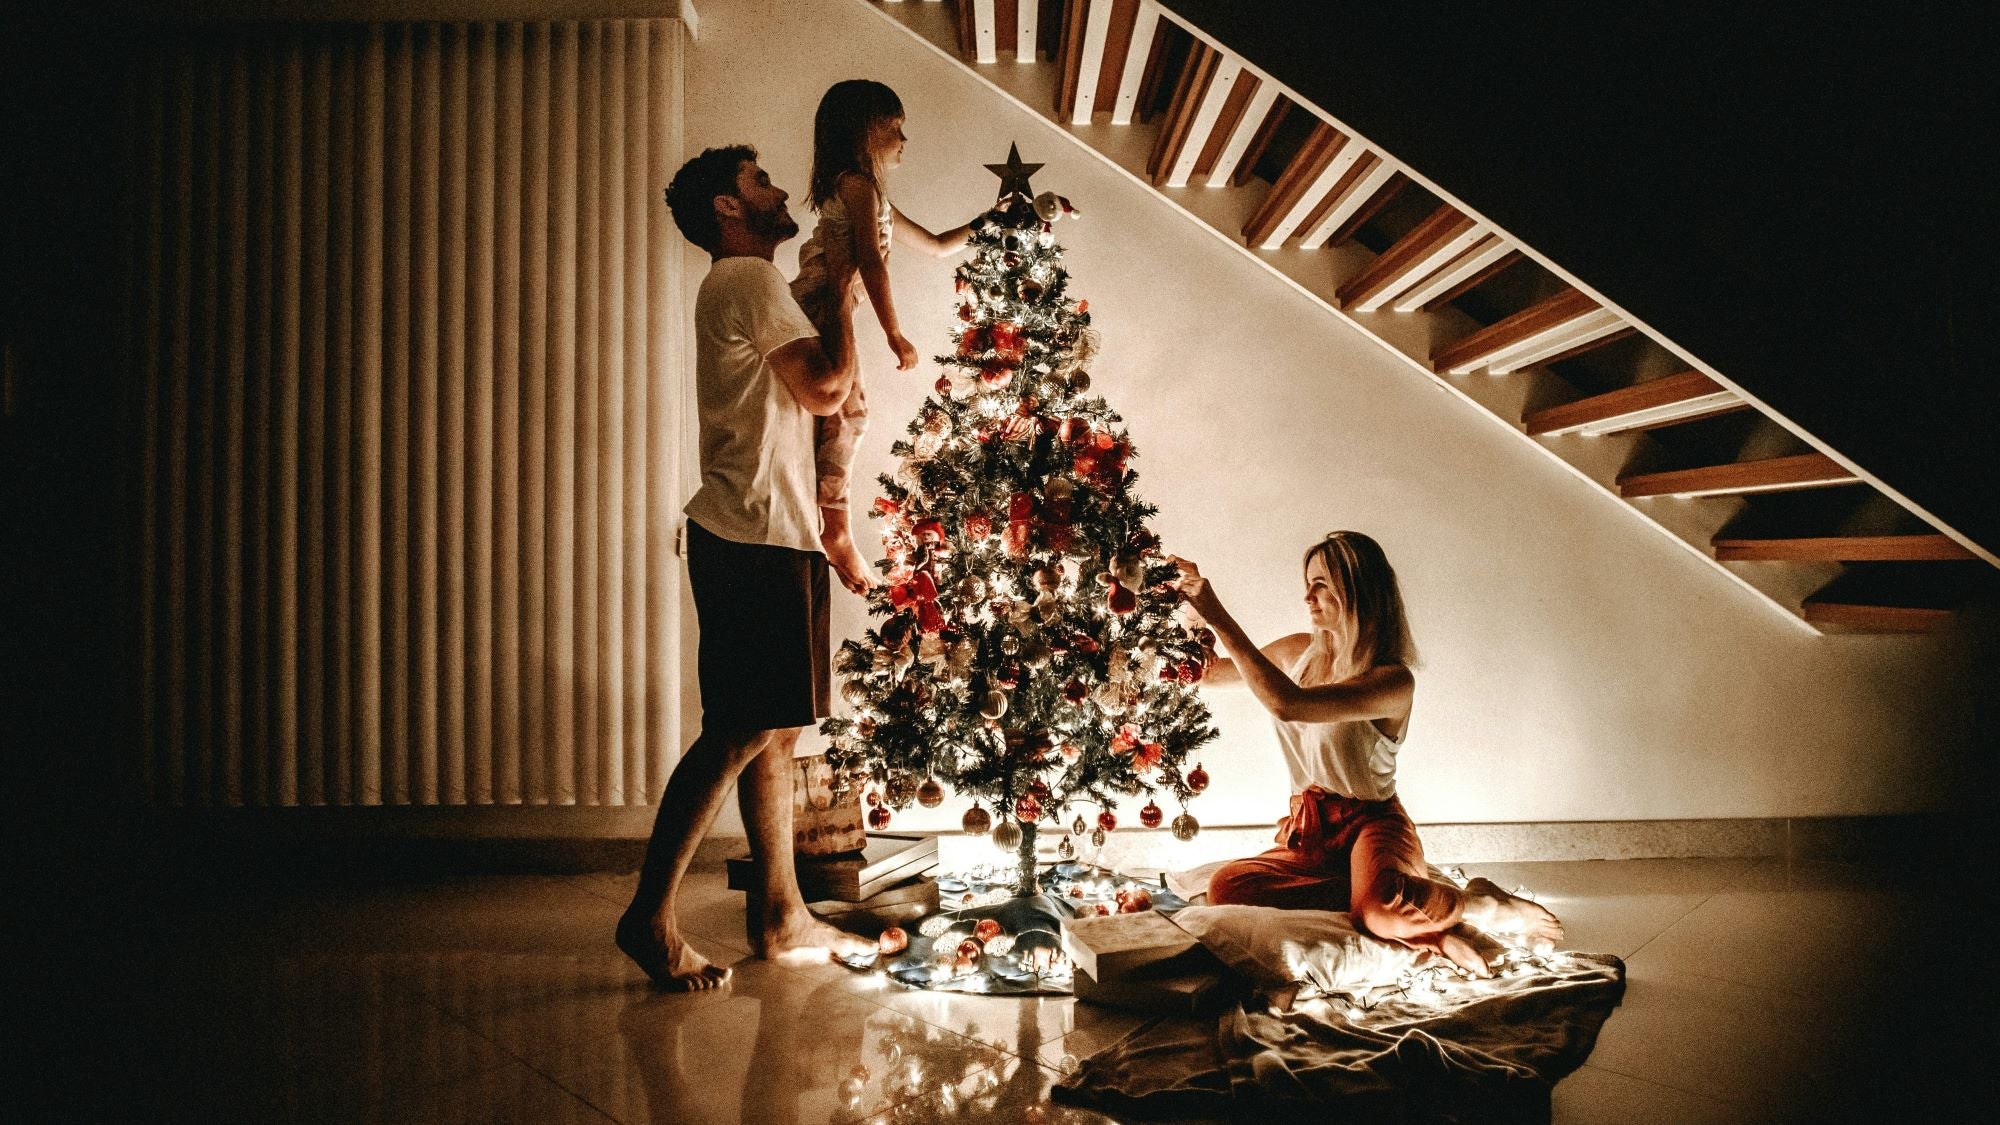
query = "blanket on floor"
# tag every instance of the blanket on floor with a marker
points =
(1431, 1047)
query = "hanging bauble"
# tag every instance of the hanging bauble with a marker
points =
(930, 794)
(1185, 827)
(892, 941)
(1077, 827)
(1010, 645)
(1006, 835)
(872, 798)
(1027, 808)
(1107, 820)
(976, 821)
(878, 817)
(900, 790)
(993, 705)
(986, 929)
(996, 373)
(943, 384)
(979, 527)
(1079, 382)
(854, 692)
(865, 727)
(965, 313)
(1031, 292)
(1065, 850)
(1197, 779)
(1076, 691)
(1150, 815)
(1097, 837)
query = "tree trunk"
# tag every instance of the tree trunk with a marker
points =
(1029, 884)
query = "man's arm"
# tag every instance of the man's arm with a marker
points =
(820, 370)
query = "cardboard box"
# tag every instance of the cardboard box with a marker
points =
(885, 861)
(898, 905)
(1112, 945)
(1191, 983)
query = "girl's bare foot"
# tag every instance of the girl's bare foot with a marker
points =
(1497, 912)
(847, 563)
(671, 963)
(796, 936)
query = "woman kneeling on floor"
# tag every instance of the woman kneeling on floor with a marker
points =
(1341, 697)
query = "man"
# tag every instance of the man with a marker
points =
(755, 566)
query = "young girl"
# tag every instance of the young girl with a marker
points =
(857, 138)
(1341, 696)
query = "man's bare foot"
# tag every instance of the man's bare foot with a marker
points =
(1497, 912)
(671, 963)
(847, 563)
(796, 936)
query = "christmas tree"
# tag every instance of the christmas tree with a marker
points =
(1029, 654)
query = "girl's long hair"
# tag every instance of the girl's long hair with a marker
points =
(840, 133)
(1377, 630)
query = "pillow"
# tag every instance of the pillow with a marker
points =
(1318, 949)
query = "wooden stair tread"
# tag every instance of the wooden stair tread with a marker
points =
(1562, 325)
(1806, 470)
(1864, 618)
(1687, 395)
(1841, 548)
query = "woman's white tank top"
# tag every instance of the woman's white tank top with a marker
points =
(1352, 758)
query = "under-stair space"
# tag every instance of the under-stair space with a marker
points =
(1812, 535)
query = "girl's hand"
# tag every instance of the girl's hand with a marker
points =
(1194, 588)
(906, 352)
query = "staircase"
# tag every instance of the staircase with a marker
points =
(1813, 535)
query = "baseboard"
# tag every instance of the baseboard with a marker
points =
(424, 842)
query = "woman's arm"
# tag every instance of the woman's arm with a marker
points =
(1379, 693)
(1223, 672)
(942, 245)
(857, 194)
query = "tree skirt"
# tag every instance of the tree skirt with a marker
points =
(992, 941)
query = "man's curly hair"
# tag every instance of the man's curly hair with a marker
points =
(691, 195)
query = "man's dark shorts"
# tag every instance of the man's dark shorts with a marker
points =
(763, 617)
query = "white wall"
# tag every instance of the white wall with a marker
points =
(1578, 666)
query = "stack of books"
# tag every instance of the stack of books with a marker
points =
(1143, 962)
(888, 881)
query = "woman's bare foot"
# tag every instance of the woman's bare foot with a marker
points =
(1497, 912)
(670, 962)
(847, 563)
(795, 936)
(1460, 949)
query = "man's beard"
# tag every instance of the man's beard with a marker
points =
(776, 225)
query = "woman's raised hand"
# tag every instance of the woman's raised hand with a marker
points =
(1193, 587)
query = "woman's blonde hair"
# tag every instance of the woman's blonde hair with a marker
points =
(1378, 628)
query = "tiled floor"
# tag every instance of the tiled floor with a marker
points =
(1758, 991)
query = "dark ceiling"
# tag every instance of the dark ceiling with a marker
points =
(1803, 202)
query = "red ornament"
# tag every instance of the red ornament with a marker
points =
(878, 817)
(965, 313)
(1107, 820)
(1197, 779)
(1075, 691)
(1120, 600)
(1147, 755)
(892, 941)
(943, 385)
(996, 373)
(1191, 671)
(931, 794)
(974, 341)
(978, 526)
(968, 953)
(1150, 815)
(872, 799)
(1072, 430)
(986, 929)
(1137, 901)
(1026, 809)
(1020, 524)
(1008, 343)
(976, 821)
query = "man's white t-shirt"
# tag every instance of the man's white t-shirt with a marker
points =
(757, 471)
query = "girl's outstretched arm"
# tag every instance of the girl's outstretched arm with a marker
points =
(942, 245)
(1382, 692)
(858, 195)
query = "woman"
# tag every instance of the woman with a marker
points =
(1341, 696)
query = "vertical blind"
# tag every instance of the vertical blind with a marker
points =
(408, 306)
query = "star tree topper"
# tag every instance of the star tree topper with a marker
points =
(1014, 174)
